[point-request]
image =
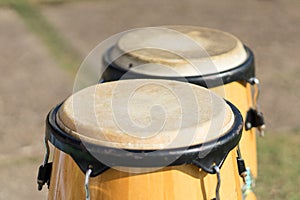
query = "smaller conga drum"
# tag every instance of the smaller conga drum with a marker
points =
(143, 140)
(202, 56)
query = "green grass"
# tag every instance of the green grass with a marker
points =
(279, 166)
(61, 50)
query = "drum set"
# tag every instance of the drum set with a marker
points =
(173, 117)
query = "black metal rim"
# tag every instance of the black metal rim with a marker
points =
(215, 151)
(243, 72)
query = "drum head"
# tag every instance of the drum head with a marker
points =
(177, 51)
(145, 114)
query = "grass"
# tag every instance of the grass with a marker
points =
(66, 56)
(279, 166)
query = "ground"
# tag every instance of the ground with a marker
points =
(33, 77)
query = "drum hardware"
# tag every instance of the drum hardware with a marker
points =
(86, 183)
(241, 165)
(217, 170)
(254, 117)
(44, 175)
(245, 173)
(44, 172)
(249, 183)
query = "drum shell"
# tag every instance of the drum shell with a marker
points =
(174, 182)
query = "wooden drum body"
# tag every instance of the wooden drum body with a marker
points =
(219, 61)
(180, 161)
(170, 183)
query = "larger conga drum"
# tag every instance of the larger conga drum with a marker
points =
(142, 140)
(223, 64)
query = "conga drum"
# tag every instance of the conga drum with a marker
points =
(142, 139)
(223, 65)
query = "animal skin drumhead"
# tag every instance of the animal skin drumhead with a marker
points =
(145, 114)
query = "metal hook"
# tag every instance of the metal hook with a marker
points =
(256, 85)
(217, 170)
(86, 183)
(47, 152)
(238, 150)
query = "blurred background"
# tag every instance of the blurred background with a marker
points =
(43, 42)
